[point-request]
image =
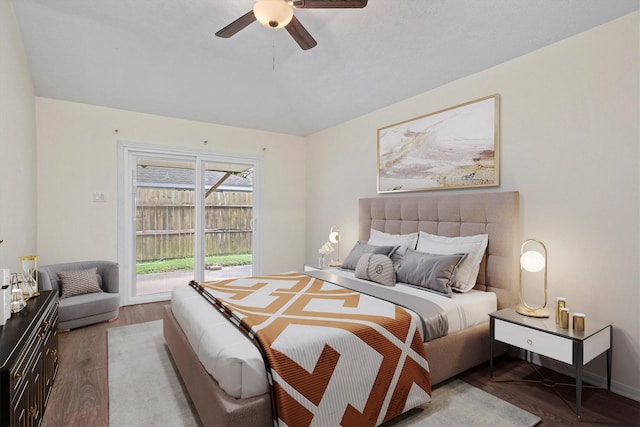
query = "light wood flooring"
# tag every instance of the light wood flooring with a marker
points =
(80, 395)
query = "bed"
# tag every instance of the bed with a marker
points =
(461, 214)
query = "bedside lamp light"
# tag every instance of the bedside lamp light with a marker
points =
(533, 261)
(334, 238)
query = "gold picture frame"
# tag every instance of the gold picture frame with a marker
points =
(457, 147)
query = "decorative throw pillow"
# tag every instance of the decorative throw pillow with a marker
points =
(79, 282)
(475, 246)
(376, 268)
(403, 241)
(361, 248)
(432, 272)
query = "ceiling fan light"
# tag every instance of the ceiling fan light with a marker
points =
(273, 13)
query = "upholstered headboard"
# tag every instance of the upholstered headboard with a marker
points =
(496, 214)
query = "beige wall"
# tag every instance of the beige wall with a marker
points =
(570, 136)
(78, 155)
(17, 146)
(569, 144)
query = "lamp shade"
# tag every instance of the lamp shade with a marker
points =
(273, 13)
(334, 237)
(532, 261)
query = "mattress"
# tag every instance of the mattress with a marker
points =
(236, 364)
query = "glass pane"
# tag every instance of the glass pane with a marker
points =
(165, 224)
(228, 218)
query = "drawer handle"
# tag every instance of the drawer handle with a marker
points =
(529, 341)
(45, 323)
(19, 376)
(33, 411)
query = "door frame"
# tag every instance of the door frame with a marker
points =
(127, 150)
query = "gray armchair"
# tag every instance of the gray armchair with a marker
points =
(82, 310)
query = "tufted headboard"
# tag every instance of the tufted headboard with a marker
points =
(496, 214)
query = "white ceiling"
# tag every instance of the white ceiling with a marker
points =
(161, 56)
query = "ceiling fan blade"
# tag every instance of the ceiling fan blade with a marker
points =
(300, 34)
(328, 4)
(237, 25)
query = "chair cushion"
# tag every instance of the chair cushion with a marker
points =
(80, 306)
(79, 282)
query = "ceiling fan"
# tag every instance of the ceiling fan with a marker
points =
(276, 14)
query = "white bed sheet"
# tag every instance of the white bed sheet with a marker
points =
(463, 310)
(236, 364)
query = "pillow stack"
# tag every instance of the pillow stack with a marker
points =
(435, 263)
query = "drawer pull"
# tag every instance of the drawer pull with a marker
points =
(18, 376)
(529, 341)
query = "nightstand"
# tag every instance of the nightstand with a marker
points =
(542, 336)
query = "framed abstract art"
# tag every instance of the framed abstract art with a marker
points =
(457, 147)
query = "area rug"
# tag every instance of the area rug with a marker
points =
(144, 387)
(145, 390)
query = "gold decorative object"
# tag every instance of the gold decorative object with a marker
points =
(561, 302)
(578, 321)
(564, 318)
(29, 279)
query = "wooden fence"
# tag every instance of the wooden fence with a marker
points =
(165, 223)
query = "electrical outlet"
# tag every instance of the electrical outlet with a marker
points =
(99, 197)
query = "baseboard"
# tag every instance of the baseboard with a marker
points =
(588, 376)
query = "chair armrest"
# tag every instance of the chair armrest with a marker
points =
(110, 276)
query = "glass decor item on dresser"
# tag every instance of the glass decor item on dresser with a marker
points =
(29, 276)
(17, 297)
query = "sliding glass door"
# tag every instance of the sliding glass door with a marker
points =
(184, 216)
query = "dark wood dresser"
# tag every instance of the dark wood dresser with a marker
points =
(28, 361)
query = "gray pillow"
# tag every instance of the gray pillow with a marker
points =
(361, 248)
(79, 282)
(376, 268)
(434, 273)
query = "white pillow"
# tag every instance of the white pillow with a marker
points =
(475, 246)
(405, 241)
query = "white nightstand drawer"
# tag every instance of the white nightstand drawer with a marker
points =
(539, 342)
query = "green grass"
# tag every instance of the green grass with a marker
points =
(180, 264)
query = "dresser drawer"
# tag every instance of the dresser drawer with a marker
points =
(20, 370)
(539, 342)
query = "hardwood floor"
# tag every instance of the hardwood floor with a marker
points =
(555, 405)
(80, 395)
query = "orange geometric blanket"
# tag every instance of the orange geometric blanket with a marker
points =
(333, 356)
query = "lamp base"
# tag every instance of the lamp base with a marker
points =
(532, 312)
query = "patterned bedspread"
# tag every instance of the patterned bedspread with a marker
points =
(333, 356)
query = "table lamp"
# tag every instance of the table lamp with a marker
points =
(334, 238)
(533, 261)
